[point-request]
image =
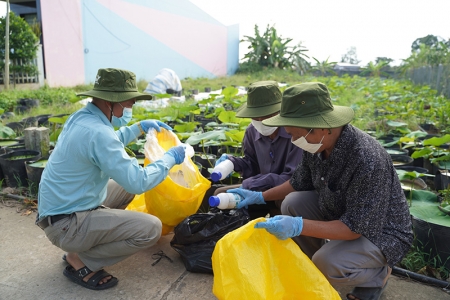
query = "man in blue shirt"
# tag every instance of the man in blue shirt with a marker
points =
(89, 175)
(269, 156)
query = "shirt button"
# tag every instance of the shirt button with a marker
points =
(321, 178)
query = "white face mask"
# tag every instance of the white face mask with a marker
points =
(263, 129)
(127, 115)
(303, 144)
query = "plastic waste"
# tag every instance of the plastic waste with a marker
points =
(225, 200)
(181, 193)
(222, 170)
(250, 263)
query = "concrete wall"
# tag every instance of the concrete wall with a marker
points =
(63, 42)
(144, 36)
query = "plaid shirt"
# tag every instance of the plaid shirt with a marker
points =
(358, 185)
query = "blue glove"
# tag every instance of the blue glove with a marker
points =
(250, 197)
(178, 153)
(155, 124)
(283, 227)
(224, 157)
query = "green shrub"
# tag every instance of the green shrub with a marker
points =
(22, 44)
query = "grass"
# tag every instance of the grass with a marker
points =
(356, 92)
(421, 262)
(58, 100)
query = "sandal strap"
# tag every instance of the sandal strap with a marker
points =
(83, 272)
(99, 275)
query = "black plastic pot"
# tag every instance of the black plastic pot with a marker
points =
(412, 168)
(34, 171)
(397, 151)
(30, 122)
(401, 160)
(16, 147)
(441, 179)
(3, 150)
(434, 239)
(8, 142)
(413, 184)
(43, 119)
(13, 166)
(28, 102)
(18, 127)
(429, 128)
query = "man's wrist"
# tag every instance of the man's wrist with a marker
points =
(169, 160)
(140, 128)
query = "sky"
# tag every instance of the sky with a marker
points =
(329, 28)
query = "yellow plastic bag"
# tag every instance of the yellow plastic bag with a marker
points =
(180, 194)
(253, 264)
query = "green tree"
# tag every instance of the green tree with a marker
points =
(375, 69)
(383, 59)
(22, 44)
(272, 50)
(431, 41)
(324, 67)
(350, 57)
(427, 56)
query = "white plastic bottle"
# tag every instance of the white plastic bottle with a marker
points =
(225, 200)
(222, 170)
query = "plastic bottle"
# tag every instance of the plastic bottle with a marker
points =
(225, 200)
(222, 170)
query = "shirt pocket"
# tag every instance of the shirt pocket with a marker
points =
(332, 202)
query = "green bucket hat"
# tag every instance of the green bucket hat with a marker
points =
(263, 99)
(115, 85)
(308, 105)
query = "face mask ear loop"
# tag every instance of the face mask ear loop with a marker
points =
(308, 133)
(321, 139)
(111, 110)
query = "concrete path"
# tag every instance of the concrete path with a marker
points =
(31, 268)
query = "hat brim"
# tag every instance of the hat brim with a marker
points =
(256, 112)
(340, 116)
(116, 96)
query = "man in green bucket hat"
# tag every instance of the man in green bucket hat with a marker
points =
(344, 205)
(90, 170)
(269, 156)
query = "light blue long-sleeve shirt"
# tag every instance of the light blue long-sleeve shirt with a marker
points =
(87, 154)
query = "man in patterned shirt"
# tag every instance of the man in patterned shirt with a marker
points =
(345, 190)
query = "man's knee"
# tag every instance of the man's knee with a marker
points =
(329, 266)
(153, 234)
(287, 203)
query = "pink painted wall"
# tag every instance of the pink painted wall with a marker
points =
(63, 40)
(164, 27)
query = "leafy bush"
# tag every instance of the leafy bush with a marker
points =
(46, 96)
(271, 50)
(22, 43)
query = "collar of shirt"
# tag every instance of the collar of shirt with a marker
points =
(96, 111)
(281, 133)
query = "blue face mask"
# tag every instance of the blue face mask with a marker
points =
(125, 119)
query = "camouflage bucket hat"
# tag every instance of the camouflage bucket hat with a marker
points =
(308, 105)
(115, 85)
(263, 99)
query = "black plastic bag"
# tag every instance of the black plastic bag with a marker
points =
(196, 236)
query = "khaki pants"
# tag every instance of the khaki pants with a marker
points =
(106, 236)
(344, 263)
